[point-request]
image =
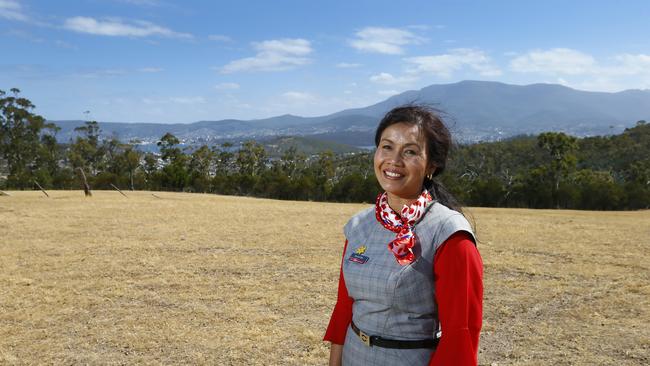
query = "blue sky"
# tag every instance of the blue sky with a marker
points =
(183, 61)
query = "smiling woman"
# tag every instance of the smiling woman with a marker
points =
(403, 182)
(410, 265)
(424, 141)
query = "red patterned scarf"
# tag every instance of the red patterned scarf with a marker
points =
(402, 224)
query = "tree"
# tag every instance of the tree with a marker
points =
(251, 158)
(225, 167)
(151, 174)
(354, 187)
(251, 162)
(86, 152)
(597, 190)
(224, 159)
(292, 163)
(488, 192)
(127, 161)
(50, 172)
(168, 147)
(174, 173)
(560, 148)
(323, 171)
(201, 167)
(637, 185)
(533, 189)
(20, 138)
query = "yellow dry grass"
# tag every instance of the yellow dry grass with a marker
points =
(206, 279)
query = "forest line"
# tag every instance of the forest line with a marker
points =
(549, 170)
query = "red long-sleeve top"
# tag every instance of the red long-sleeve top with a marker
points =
(458, 275)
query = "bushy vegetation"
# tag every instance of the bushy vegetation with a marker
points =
(551, 170)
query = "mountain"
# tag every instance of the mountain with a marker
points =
(474, 111)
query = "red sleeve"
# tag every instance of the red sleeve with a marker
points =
(458, 274)
(342, 314)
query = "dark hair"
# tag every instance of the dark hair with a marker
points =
(438, 140)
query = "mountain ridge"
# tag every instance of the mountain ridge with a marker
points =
(475, 111)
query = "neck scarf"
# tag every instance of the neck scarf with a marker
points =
(402, 224)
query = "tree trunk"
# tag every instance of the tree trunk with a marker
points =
(87, 191)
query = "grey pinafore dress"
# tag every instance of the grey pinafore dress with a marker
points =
(390, 300)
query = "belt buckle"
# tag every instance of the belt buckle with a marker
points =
(364, 338)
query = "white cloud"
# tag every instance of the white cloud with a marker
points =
(382, 78)
(219, 38)
(582, 71)
(64, 44)
(299, 47)
(295, 96)
(188, 100)
(632, 64)
(100, 73)
(227, 86)
(554, 61)
(184, 100)
(387, 93)
(389, 41)
(445, 65)
(625, 72)
(346, 65)
(421, 27)
(12, 10)
(388, 79)
(605, 84)
(117, 27)
(273, 55)
(151, 69)
(24, 35)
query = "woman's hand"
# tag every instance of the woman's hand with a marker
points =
(336, 353)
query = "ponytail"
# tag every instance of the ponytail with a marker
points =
(440, 193)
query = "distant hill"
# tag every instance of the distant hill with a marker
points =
(474, 110)
(307, 145)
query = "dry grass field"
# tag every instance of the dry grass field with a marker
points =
(206, 279)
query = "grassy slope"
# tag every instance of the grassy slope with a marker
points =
(187, 279)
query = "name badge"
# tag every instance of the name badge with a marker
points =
(358, 257)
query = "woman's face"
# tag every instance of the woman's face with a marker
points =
(401, 161)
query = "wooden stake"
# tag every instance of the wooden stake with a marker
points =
(86, 186)
(42, 190)
(3, 193)
(113, 185)
(156, 196)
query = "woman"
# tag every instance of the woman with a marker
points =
(410, 287)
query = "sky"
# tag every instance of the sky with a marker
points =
(172, 61)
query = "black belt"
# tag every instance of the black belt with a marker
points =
(369, 340)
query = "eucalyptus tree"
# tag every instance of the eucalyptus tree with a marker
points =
(174, 173)
(201, 168)
(561, 150)
(86, 152)
(21, 138)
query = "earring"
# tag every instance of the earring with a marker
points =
(430, 176)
